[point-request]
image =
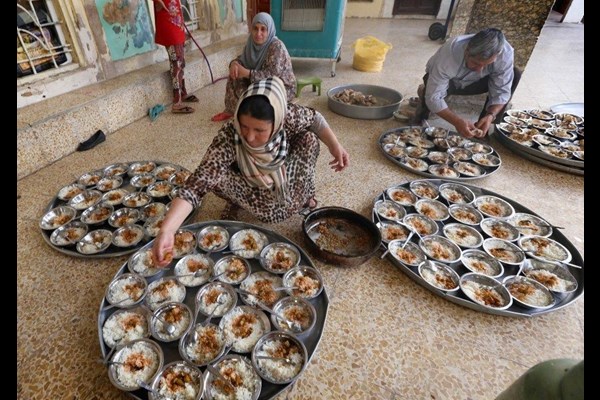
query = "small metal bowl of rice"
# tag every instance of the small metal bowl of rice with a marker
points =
(279, 357)
(140, 360)
(300, 315)
(248, 383)
(177, 380)
(304, 281)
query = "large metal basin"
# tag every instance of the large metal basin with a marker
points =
(390, 97)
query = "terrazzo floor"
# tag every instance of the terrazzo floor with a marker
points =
(386, 337)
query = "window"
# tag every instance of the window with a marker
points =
(188, 9)
(305, 15)
(40, 41)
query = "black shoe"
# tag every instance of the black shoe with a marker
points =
(93, 141)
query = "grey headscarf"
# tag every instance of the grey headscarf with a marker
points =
(254, 54)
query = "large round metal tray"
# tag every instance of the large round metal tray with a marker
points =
(547, 163)
(488, 170)
(534, 150)
(570, 108)
(171, 353)
(458, 297)
(112, 250)
(390, 99)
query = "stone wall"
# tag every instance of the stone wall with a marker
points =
(521, 21)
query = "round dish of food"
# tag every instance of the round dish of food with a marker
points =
(483, 252)
(220, 324)
(107, 199)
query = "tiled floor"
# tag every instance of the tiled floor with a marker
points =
(386, 337)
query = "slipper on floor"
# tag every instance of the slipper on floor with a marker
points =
(191, 99)
(93, 141)
(183, 110)
(221, 117)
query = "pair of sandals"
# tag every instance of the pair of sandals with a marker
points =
(190, 98)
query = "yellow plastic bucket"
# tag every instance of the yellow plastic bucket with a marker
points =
(369, 54)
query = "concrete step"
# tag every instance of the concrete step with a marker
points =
(53, 128)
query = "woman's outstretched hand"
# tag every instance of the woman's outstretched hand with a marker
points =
(162, 249)
(340, 158)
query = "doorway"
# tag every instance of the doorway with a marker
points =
(411, 7)
(254, 7)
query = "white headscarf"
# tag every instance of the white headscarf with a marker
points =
(264, 166)
(254, 54)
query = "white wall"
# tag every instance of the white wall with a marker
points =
(574, 13)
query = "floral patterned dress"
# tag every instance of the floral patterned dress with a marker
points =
(169, 23)
(277, 63)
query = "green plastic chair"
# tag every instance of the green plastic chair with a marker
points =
(311, 80)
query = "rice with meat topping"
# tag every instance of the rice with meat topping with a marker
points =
(125, 290)
(241, 375)
(308, 286)
(550, 280)
(280, 370)
(462, 235)
(143, 263)
(295, 313)
(140, 361)
(180, 382)
(209, 343)
(243, 328)
(483, 294)
(128, 235)
(453, 195)
(164, 290)
(544, 247)
(124, 327)
(179, 316)
(481, 263)
(262, 284)
(237, 269)
(216, 301)
(392, 232)
(247, 243)
(528, 293)
(281, 258)
(191, 264)
(184, 242)
(440, 279)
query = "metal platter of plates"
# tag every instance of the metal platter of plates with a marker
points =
(435, 152)
(212, 242)
(553, 139)
(111, 211)
(478, 236)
